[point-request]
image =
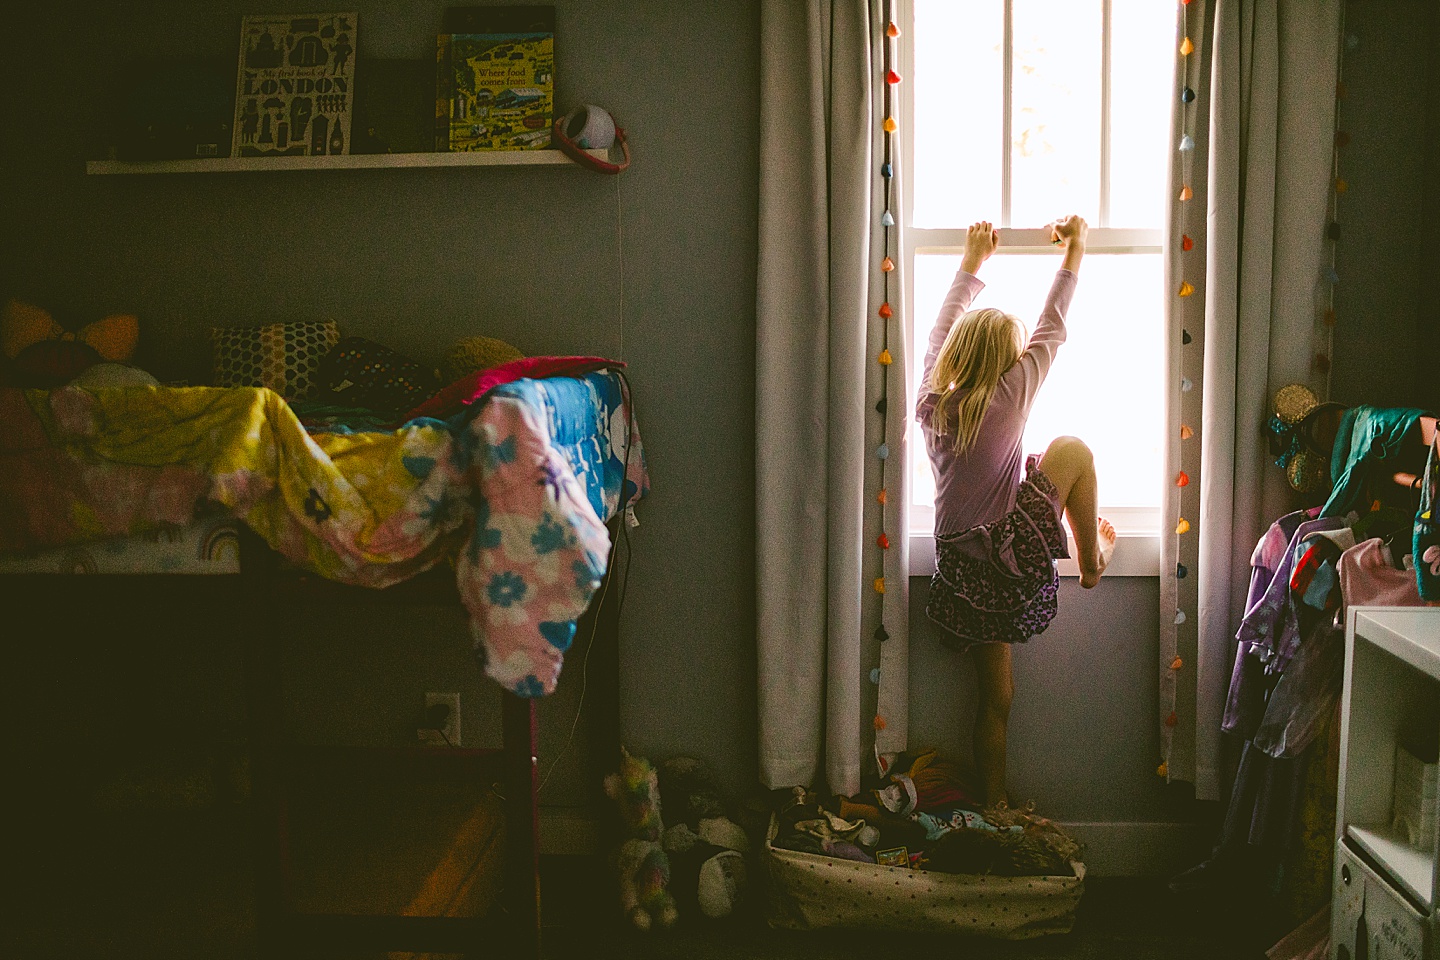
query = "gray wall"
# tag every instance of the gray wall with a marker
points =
(1384, 340)
(1427, 354)
(1084, 741)
(416, 259)
(656, 267)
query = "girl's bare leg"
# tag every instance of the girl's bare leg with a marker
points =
(995, 689)
(1071, 467)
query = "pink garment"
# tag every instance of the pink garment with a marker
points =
(1368, 579)
(979, 485)
(471, 387)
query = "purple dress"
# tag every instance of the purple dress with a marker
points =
(997, 532)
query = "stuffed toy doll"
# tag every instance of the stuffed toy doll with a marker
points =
(707, 849)
(643, 867)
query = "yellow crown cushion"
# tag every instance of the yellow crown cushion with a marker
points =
(23, 324)
(478, 353)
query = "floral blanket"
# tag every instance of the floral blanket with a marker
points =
(514, 491)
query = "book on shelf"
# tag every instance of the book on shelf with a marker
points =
(495, 78)
(294, 93)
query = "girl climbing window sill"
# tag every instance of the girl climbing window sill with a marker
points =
(1137, 554)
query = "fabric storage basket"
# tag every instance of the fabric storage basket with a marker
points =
(809, 891)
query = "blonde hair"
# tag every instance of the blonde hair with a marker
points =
(980, 347)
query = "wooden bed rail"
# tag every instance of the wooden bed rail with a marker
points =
(245, 608)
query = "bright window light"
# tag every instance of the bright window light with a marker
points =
(1018, 112)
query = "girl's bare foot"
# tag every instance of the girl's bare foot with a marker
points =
(1106, 542)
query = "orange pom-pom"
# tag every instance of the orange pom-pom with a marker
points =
(881, 497)
(883, 541)
(1185, 432)
(1182, 479)
(885, 312)
(1176, 664)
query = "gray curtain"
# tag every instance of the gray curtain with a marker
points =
(822, 103)
(1263, 120)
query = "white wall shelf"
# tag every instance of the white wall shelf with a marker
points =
(1383, 885)
(354, 161)
(1413, 869)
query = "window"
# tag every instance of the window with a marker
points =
(1019, 111)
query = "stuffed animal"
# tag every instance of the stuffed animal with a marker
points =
(37, 352)
(642, 866)
(477, 353)
(707, 849)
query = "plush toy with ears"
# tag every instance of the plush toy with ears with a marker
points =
(642, 866)
(707, 849)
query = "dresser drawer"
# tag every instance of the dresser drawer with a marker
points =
(1370, 918)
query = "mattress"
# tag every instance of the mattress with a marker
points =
(208, 546)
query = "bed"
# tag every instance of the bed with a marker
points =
(508, 507)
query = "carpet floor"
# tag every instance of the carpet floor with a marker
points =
(179, 886)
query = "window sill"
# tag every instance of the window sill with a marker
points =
(1136, 555)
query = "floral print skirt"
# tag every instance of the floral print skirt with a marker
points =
(996, 583)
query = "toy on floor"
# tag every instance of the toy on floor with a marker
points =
(1014, 843)
(913, 782)
(642, 866)
(707, 849)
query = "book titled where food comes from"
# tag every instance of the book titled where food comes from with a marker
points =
(294, 92)
(495, 78)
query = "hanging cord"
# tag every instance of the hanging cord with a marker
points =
(621, 505)
(620, 271)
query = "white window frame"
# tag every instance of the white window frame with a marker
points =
(1137, 550)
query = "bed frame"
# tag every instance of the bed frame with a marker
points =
(512, 928)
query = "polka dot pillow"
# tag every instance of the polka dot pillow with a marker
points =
(362, 373)
(281, 356)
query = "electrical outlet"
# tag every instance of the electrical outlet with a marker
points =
(449, 734)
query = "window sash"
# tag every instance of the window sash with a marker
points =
(1030, 240)
(1139, 526)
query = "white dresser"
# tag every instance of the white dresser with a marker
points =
(1384, 888)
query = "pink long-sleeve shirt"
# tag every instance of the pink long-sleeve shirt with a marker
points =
(979, 485)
